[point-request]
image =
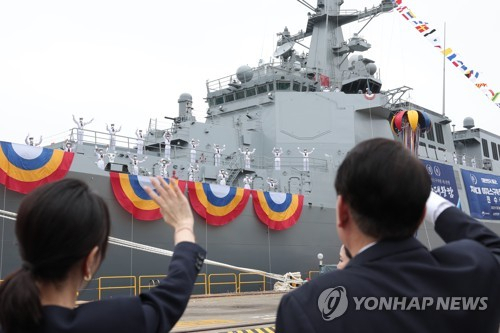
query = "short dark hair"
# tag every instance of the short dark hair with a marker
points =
(57, 226)
(386, 188)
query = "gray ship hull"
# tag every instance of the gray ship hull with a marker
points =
(244, 242)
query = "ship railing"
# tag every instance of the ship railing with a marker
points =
(102, 139)
(236, 161)
(440, 154)
(266, 162)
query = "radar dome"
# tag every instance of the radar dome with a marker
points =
(468, 123)
(371, 68)
(244, 73)
(185, 97)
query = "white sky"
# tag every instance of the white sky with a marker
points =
(124, 62)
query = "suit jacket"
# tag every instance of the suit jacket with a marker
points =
(406, 287)
(154, 311)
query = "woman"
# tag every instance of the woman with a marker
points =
(63, 229)
(344, 257)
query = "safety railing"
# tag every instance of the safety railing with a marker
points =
(102, 280)
(152, 281)
(261, 281)
(202, 283)
(231, 282)
(205, 284)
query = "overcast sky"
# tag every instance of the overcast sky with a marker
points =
(125, 62)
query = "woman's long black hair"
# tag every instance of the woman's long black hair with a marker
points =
(57, 226)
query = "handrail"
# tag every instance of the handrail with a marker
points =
(240, 282)
(149, 286)
(100, 288)
(210, 283)
(203, 283)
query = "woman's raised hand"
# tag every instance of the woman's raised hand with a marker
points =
(174, 208)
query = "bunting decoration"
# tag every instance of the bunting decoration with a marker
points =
(430, 33)
(278, 211)
(23, 168)
(217, 204)
(129, 192)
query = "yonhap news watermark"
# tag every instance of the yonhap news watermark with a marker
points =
(334, 302)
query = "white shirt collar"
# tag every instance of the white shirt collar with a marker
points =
(367, 246)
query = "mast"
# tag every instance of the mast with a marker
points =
(329, 50)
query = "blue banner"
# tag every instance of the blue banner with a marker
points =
(483, 194)
(443, 181)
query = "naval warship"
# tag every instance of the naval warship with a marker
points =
(258, 173)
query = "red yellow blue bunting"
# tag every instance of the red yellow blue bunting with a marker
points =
(217, 204)
(278, 211)
(130, 193)
(23, 168)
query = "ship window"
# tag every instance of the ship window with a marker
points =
(296, 86)
(283, 85)
(229, 98)
(430, 134)
(219, 100)
(270, 86)
(211, 101)
(494, 150)
(304, 87)
(262, 89)
(486, 151)
(499, 148)
(422, 135)
(439, 133)
(312, 88)
(240, 94)
(250, 92)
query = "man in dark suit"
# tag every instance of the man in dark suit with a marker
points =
(394, 283)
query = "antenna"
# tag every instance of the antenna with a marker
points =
(309, 6)
(282, 49)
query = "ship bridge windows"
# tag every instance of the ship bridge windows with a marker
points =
(304, 87)
(296, 86)
(250, 92)
(282, 85)
(270, 87)
(240, 94)
(439, 133)
(229, 98)
(219, 100)
(312, 88)
(486, 151)
(262, 89)
(494, 150)
(430, 134)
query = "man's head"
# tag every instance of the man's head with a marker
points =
(384, 187)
